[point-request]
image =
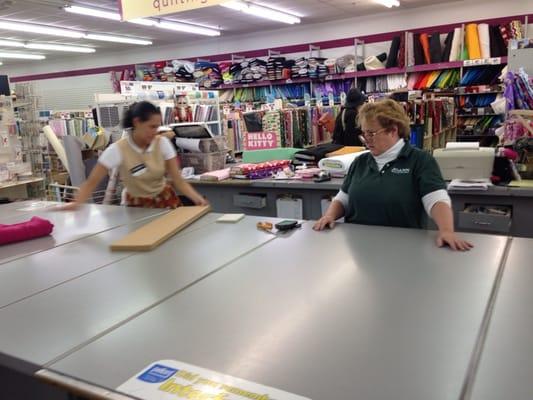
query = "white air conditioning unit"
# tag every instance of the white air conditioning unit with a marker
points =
(110, 110)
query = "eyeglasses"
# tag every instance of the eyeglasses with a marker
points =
(370, 135)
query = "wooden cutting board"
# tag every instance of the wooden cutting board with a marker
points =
(151, 235)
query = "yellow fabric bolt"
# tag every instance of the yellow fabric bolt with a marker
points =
(472, 42)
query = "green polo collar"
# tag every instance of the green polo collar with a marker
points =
(406, 150)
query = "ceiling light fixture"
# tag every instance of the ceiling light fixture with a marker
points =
(180, 27)
(22, 56)
(59, 47)
(46, 46)
(93, 12)
(388, 3)
(262, 11)
(117, 39)
(44, 30)
(161, 24)
(34, 28)
(10, 43)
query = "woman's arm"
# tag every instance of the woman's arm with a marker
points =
(86, 189)
(443, 217)
(181, 185)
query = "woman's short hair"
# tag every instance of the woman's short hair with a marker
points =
(388, 113)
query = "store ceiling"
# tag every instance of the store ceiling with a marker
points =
(230, 22)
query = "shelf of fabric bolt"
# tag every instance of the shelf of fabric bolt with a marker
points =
(267, 317)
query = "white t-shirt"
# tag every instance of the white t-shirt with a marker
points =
(112, 157)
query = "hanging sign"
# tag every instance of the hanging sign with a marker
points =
(172, 380)
(131, 9)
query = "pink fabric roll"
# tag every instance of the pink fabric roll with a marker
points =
(34, 228)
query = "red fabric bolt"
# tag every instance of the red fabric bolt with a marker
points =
(32, 229)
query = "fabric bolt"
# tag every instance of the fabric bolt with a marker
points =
(412, 80)
(424, 41)
(435, 48)
(456, 45)
(506, 34)
(418, 50)
(497, 44)
(472, 41)
(373, 63)
(410, 49)
(392, 58)
(484, 40)
(401, 52)
(34, 228)
(447, 47)
(516, 29)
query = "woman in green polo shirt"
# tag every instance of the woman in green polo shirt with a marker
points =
(394, 183)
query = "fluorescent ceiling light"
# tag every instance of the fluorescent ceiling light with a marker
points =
(261, 11)
(143, 21)
(46, 46)
(117, 39)
(1, 63)
(161, 24)
(22, 56)
(44, 30)
(93, 12)
(34, 28)
(388, 3)
(178, 26)
(60, 47)
(10, 43)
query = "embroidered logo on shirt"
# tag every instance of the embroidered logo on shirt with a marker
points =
(400, 171)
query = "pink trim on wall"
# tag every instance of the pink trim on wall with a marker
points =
(298, 48)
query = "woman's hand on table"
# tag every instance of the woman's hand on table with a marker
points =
(326, 221)
(453, 241)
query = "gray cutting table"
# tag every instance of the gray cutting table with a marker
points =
(38, 272)
(69, 226)
(49, 324)
(355, 313)
(506, 367)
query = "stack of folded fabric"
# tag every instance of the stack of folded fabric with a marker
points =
(216, 176)
(183, 70)
(346, 64)
(300, 69)
(275, 68)
(314, 154)
(258, 171)
(207, 74)
(249, 71)
(227, 77)
(317, 69)
(331, 65)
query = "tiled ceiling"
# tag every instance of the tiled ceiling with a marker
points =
(230, 22)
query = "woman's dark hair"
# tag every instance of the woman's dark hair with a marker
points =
(142, 110)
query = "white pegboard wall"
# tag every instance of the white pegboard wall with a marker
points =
(72, 93)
